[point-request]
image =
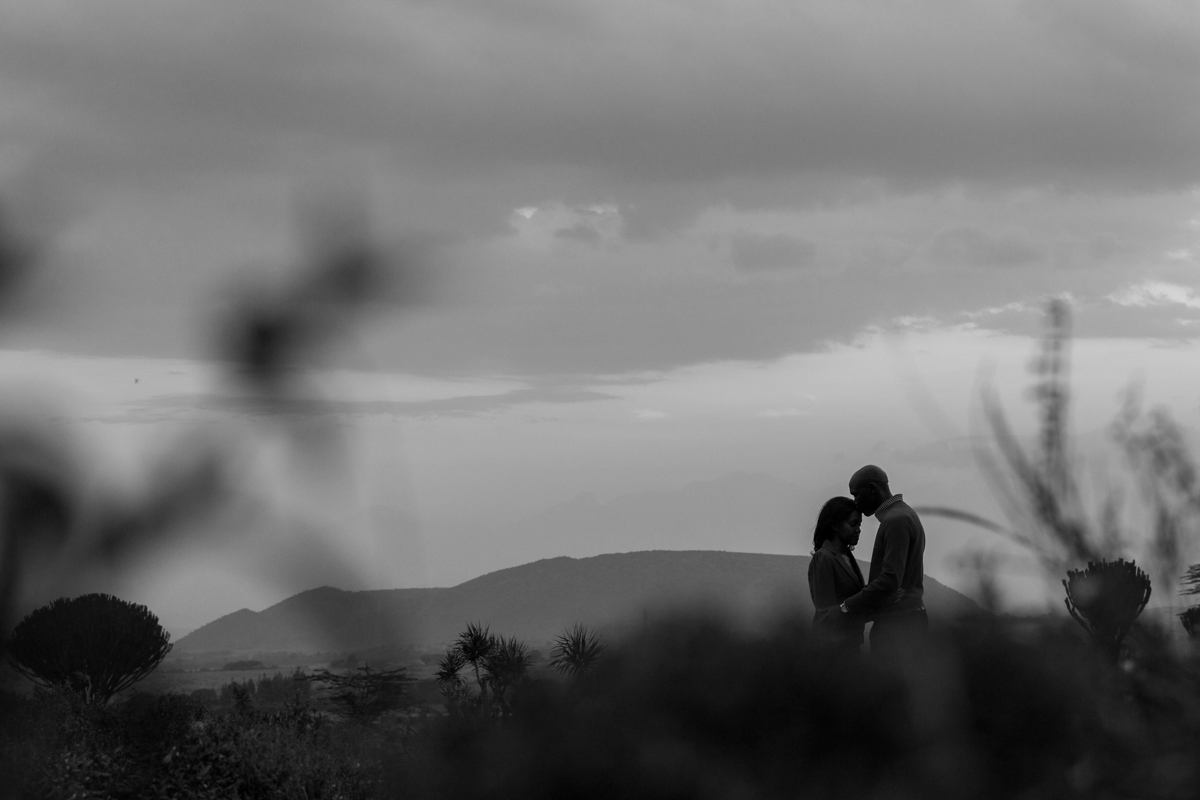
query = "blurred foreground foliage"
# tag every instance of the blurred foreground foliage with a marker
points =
(994, 708)
(1106, 599)
(61, 522)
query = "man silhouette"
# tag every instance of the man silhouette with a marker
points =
(893, 596)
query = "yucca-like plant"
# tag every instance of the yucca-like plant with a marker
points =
(499, 665)
(576, 652)
(1105, 599)
(449, 668)
(475, 644)
(450, 681)
(506, 664)
(505, 669)
(1191, 620)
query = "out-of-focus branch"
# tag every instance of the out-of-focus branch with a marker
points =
(268, 340)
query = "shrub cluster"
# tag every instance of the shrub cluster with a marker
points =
(174, 746)
(692, 708)
(274, 691)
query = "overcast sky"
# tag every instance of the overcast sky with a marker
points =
(673, 240)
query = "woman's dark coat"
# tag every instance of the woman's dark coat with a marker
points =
(830, 581)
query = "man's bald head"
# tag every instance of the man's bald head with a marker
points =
(868, 474)
(869, 488)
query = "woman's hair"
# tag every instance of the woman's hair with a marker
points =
(835, 511)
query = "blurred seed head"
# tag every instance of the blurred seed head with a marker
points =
(272, 333)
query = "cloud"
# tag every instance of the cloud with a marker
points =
(783, 413)
(175, 406)
(591, 224)
(973, 247)
(779, 252)
(1093, 94)
(599, 166)
(1156, 293)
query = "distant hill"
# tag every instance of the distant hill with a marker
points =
(534, 602)
(763, 511)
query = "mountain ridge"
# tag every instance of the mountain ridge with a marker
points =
(534, 601)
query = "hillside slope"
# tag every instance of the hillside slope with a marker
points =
(534, 601)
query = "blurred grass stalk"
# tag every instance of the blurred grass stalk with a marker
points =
(1040, 492)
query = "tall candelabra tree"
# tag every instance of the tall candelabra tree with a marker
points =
(94, 644)
(1105, 599)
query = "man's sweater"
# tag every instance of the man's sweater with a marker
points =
(896, 581)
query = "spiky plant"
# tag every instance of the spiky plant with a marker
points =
(505, 669)
(507, 663)
(576, 652)
(1191, 620)
(1105, 599)
(476, 644)
(449, 668)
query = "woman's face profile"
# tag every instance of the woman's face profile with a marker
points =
(850, 529)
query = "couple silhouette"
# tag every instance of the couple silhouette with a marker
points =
(892, 595)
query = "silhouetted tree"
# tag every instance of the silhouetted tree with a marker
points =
(95, 644)
(475, 645)
(575, 652)
(500, 666)
(450, 681)
(363, 694)
(505, 669)
(1105, 599)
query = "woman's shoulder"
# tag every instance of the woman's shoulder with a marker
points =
(820, 557)
(823, 553)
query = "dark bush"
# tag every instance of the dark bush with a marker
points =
(693, 709)
(207, 696)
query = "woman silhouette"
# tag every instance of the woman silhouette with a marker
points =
(834, 575)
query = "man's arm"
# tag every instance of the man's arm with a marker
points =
(896, 537)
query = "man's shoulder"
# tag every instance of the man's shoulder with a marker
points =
(899, 512)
